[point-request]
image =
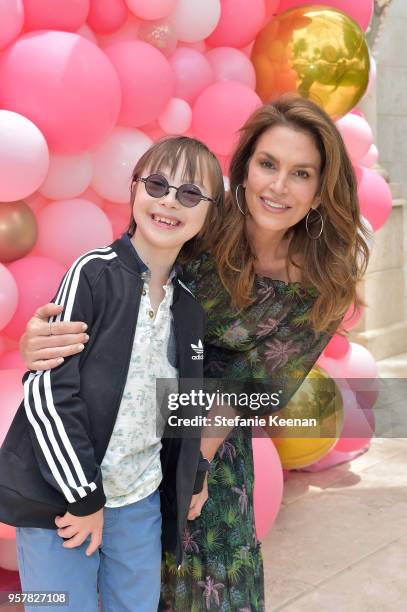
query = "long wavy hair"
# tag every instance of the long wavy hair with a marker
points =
(332, 264)
(195, 159)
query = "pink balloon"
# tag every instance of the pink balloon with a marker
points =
(114, 160)
(216, 120)
(176, 117)
(68, 176)
(68, 228)
(11, 19)
(357, 363)
(375, 198)
(371, 157)
(192, 71)
(119, 217)
(160, 34)
(230, 64)
(146, 79)
(352, 317)
(271, 7)
(357, 135)
(11, 390)
(268, 482)
(37, 279)
(147, 9)
(87, 33)
(128, 31)
(12, 360)
(7, 532)
(8, 555)
(239, 23)
(24, 157)
(361, 11)
(66, 15)
(8, 296)
(106, 16)
(2, 345)
(65, 85)
(337, 347)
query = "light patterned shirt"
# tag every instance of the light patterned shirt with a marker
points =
(131, 468)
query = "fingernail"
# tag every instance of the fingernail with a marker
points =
(60, 360)
(80, 347)
(86, 337)
(84, 327)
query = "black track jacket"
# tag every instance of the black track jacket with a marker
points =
(50, 459)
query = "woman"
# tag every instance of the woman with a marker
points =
(283, 271)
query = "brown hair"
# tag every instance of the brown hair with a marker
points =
(195, 158)
(335, 262)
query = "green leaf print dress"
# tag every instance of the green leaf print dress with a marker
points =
(222, 569)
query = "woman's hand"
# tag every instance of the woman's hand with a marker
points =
(44, 345)
(198, 501)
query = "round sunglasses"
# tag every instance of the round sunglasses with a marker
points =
(188, 195)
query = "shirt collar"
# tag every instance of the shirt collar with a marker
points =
(144, 270)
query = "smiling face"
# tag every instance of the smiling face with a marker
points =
(283, 178)
(163, 223)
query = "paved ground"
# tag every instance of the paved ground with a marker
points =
(340, 540)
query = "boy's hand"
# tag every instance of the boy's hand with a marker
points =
(198, 501)
(77, 528)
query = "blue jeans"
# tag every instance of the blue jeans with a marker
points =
(125, 569)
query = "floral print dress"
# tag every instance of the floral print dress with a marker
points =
(222, 569)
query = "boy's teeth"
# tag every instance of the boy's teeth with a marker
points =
(165, 220)
(274, 204)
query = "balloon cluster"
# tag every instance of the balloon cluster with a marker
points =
(87, 86)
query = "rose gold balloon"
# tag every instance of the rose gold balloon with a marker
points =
(18, 230)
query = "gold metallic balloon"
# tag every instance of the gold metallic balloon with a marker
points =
(318, 398)
(18, 230)
(321, 53)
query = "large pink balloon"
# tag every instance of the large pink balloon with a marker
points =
(146, 79)
(360, 10)
(65, 85)
(195, 20)
(268, 482)
(193, 73)
(68, 228)
(8, 296)
(230, 64)
(337, 347)
(37, 279)
(151, 9)
(357, 135)
(114, 160)
(11, 360)
(11, 20)
(11, 393)
(239, 23)
(220, 111)
(66, 15)
(375, 198)
(106, 16)
(24, 157)
(357, 363)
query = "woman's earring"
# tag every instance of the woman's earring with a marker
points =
(307, 221)
(237, 198)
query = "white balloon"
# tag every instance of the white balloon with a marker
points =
(114, 160)
(176, 117)
(194, 20)
(24, 157)
(68, 176)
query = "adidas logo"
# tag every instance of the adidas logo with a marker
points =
(198, 349)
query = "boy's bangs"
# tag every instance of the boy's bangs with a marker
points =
(188, 157)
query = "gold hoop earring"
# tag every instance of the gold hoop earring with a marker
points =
(321, 220)
(237, 198)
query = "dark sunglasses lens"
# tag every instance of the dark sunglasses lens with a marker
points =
(156, 186)
(189, 195)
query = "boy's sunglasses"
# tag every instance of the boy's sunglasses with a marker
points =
(188, 195)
